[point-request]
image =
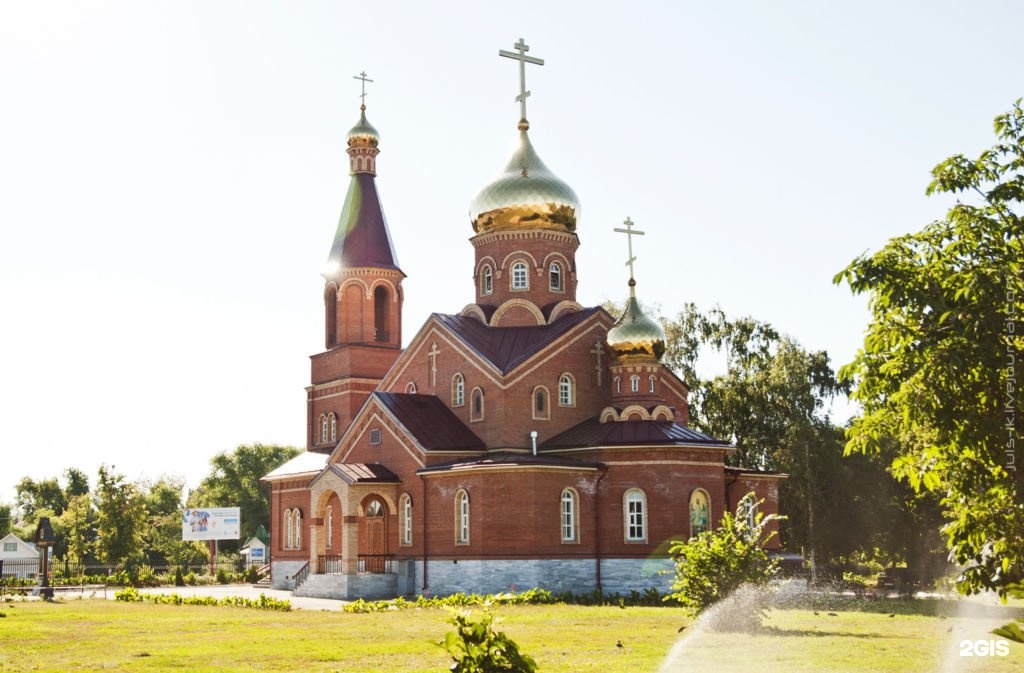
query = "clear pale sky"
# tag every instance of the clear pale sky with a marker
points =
(171, 175)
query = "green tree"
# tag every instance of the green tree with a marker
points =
(77, 483)
(714, 564)
(234, 481)
(121, 519)
(937, 371)
(33, 496)
(163, 541)
(6, 519)
(79, 524)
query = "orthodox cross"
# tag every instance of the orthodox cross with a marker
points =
(523, 59)
(432, 354)
(598, 350)
(364, 79)
(630, 232)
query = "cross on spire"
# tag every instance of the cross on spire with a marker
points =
(364, 79)
(630, 232)
(521, 47)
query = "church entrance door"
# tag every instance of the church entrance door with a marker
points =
(372, 541)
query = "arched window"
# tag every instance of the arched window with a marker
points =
(293, 529)
(334, 427)
(331, 316)
(650, 382)
(458, 390)
(375, 509)
(380, 314)
(541, 411)
(520, 278)
(555, 275)
(570, 519)
(330, 526)
(565, 391)
(405, 507)
(324, 431)
(410, 387)
(700, 512)
(748, 506)
(487, 280)
(477, 400)
(462, 517)
(618, 384)
(635, 507)
(634, 383)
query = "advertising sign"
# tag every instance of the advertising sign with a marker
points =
(210, 523)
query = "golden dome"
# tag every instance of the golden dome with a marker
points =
(636, 335)
(526, 195)
(363, 132)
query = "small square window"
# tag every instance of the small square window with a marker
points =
(375, 436)
(10, 546)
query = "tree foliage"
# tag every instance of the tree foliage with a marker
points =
(937, 373)
(716, 563)
(234, 481)
(121, 519)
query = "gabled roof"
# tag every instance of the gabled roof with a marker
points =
(507, 347)
(364, 473)
(432, 424)
(593, 432)
(304, 463)
(362, 238)
(510, 459)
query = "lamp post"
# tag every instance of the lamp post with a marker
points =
(44, 539)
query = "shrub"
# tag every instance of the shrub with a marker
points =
(716, 563)
(476, 647)
(222, 577)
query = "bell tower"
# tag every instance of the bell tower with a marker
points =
(362, 298)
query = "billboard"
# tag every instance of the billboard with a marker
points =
(210, 523)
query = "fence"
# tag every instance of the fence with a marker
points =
(71, 572)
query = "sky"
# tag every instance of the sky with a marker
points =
(171, 175)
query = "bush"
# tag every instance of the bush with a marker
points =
(476, 647)
(716, 563)
(222, 577)
(132, 595)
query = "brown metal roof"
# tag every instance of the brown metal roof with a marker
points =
(364, 473)
(593, 432)
(509, 459)
(362, 238)
(508, 347)
(433, 424)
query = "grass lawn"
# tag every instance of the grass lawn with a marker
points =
(94, 635)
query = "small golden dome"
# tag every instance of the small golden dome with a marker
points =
(636, 335)
(527, 195)
(363, 132)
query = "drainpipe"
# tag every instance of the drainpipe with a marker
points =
(533, 441)
(423, 589)
(597, 526)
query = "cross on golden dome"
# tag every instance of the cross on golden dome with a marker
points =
(521, 47)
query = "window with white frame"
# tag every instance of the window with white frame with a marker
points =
(569, 516)
(618, 384)
(375, 436)
(650, 383)
(636, 515)
(634, 383)
(324, 432)
(565, 391)
(10, 546)
(487, 280)
(520, 279)
(555, 276)
(330, 526)
(406, 509)
(293, 529)
(458, 390)
(462, 517)
(334, 427)
(410, 387)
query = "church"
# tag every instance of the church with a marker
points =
(524, 441)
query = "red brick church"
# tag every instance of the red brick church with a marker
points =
(523, 441)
